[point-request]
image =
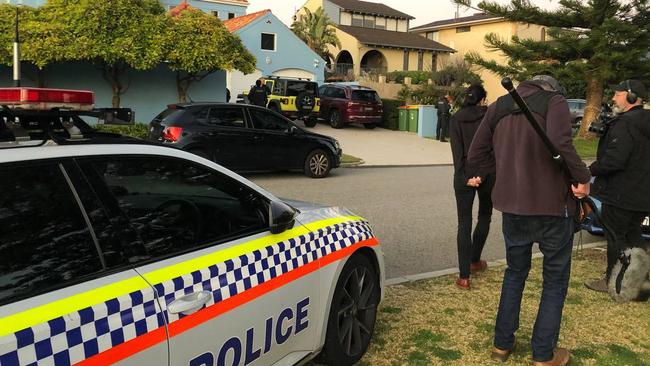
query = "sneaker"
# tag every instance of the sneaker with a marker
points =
(561, 357)
(597, 285)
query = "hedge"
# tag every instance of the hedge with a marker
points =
(417, 77)
(390, 119)
(138, 130)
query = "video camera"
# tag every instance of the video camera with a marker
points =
(602, 123)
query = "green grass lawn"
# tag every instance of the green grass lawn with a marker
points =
(586, 148)
(349, 159)
(432, 322)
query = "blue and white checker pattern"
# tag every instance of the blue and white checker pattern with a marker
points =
(237, 275)
(72, 338)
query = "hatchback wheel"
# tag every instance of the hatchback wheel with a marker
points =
(353, 313)
(369, 126)
(318, 164)
(335, 119)
(310, 121)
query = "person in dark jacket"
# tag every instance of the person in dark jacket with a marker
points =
(622, 172)
(444, 113)
(259, 94)
(533, 193)
(463, 126)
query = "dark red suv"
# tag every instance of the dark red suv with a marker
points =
(341, 104)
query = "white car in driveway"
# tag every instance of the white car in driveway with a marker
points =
(119, 251)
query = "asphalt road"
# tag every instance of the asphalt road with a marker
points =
(412, 211)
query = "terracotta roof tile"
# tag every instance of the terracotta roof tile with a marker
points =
(238, 23)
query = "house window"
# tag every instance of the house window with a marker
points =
(463, 29)
(268, 41)
(543, 35)
(346, 18)
(433, 36)
(357, 20)
(391, 24)
(402, 25)
(231, 15)
(420, 60)
(380, 23)
(368, 21)
(434, 62)
(215, 13)
(406, 60)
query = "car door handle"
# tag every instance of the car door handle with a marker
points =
(258, 138)
(189, 304)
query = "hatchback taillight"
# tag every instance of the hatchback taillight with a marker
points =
(172, 134)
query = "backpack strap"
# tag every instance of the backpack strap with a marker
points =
(538, 104)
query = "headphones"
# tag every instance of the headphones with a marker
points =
(631, 96)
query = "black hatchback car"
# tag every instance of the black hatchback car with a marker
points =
(245, 138)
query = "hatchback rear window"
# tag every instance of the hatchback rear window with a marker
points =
(166, 113)
(366, 96)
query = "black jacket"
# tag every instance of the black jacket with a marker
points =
(444, 108)
(622, 169)
(463, 127)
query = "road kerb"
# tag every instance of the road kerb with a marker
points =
(496, 263)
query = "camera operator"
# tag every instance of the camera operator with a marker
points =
(622, 172)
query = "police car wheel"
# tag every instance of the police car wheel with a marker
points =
(318, 164)
(353, 313)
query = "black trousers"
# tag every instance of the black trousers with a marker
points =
(470, 246)
(442, 128)
(622, 229)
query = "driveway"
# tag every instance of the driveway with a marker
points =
(382, 147)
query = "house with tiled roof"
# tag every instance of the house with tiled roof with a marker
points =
(375, 39)
(223, 9)
(466, 34)
(279, 52)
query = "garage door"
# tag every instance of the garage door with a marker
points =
(237, 82)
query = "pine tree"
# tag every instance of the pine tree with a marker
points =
(599, 42)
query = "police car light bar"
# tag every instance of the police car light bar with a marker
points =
(46, 99)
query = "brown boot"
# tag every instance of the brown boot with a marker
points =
(561, 357)
(502, 354)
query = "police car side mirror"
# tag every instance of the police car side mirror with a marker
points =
(115, 116)
(281, 217)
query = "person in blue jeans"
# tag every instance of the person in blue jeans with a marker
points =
(534, 196)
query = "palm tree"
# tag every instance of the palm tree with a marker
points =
(317, 31)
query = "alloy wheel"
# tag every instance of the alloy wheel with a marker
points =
(355, 314)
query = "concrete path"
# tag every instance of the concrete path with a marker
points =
(382, 147)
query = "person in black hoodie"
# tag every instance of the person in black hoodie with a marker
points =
(622, 171)
(463, 126)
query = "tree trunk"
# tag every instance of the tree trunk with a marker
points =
(595, 90)
(112, 74)
(182, 84)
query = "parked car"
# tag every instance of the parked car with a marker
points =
(577, 109)
(116, 250)
(343, 104)
(594, 227)
(294, 98)
(245, 138)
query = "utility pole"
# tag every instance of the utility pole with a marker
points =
(16, 52)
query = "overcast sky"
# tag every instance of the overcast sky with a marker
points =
(424, 11)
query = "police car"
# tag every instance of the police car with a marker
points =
(119, 251)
